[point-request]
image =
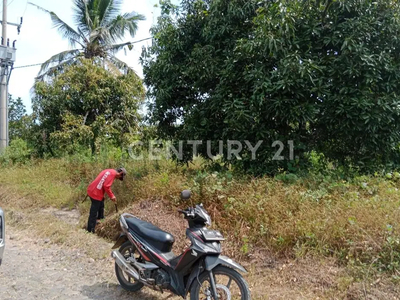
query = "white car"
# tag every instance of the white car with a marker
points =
(2, 234)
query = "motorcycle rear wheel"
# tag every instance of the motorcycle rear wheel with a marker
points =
(197, 292)
(127, 249)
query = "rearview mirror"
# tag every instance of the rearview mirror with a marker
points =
(185, 195)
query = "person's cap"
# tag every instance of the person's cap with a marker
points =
(119, 170)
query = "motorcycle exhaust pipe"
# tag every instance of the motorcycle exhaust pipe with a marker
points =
(127, 268)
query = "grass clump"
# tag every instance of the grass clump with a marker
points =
(354, 220)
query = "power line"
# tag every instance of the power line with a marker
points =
(39, 64)
(8, 5)
(27, 66)
(26, 7)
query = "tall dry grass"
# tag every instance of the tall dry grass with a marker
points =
(355, 221)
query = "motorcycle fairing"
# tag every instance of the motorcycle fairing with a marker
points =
(212, 261)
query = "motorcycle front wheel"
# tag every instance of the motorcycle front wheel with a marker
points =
(127, 282)
(230, 285)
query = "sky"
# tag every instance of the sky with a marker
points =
(38, 40)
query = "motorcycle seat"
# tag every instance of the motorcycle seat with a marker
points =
(153, 235)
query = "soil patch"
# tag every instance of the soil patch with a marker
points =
(70, 216)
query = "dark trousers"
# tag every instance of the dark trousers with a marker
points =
(96, 213)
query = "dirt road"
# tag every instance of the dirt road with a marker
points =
(34, 269)
(41, 269)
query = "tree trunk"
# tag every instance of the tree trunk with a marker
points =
(93, 147)
(85, 118)
(93, 144)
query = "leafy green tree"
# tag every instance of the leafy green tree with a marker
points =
(87, 106)
(19, 125)
(332, 75)
(16, 109)
(322, 73)
(99, 28)
(185, 68)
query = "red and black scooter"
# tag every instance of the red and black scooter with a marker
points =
(145, 258)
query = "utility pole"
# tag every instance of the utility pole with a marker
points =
(3, 87)
(7, 58)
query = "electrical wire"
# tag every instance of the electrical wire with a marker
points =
(39, 64)
(26, 7)
(8, 4)
(27, 66)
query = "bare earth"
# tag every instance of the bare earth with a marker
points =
(33, 269)
(40, 269)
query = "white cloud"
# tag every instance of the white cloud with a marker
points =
(38, 41)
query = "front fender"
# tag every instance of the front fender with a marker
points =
(212, 261)
(121, 239)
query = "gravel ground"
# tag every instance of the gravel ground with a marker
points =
(34, 269)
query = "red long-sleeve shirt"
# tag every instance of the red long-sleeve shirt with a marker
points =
(102, 184)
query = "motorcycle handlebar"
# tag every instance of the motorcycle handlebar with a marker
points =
(188, 212)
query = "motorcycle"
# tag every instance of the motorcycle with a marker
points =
(145, 258)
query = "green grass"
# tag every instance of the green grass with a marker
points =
(45, 183)
(355, 221)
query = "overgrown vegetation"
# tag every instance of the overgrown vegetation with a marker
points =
(320, 76)
(321, 73)
(86, 106)
(354, 219)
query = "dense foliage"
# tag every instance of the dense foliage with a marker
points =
(19, 121)
(86, 106)
(322, 73)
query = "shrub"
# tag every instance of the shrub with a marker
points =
(17, 153)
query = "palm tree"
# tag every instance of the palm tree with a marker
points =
(99, 30)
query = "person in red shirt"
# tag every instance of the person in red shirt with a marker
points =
(96, 191)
